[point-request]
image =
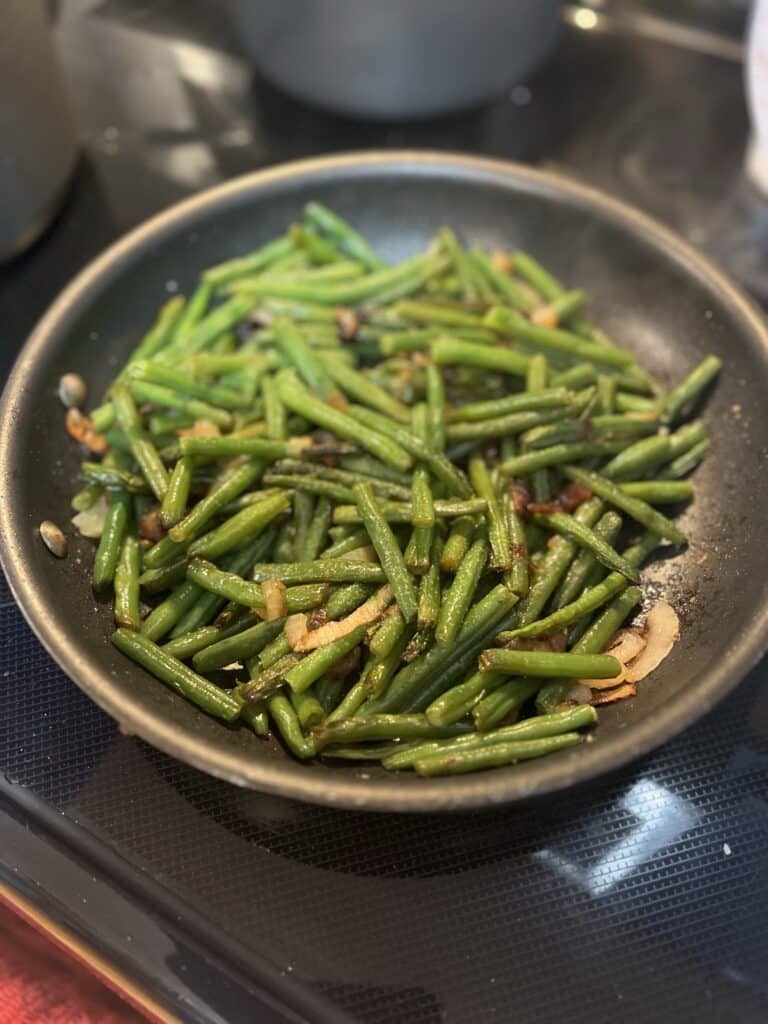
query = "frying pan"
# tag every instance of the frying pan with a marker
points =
(662, 300)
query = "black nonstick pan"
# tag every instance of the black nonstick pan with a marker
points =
(650, 291)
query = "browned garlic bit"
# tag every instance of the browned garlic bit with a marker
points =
(80, 428)
(73, 391)
(90, 522)
(370, 611)
(545, 316)
(639, 652)
(200, 428)
(274, 599)
(662, 630)
(53, 538)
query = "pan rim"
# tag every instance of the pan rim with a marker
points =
(457, 793)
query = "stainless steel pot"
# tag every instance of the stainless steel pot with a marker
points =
(39, 140)
(397, 58)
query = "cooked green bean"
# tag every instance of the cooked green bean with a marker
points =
(209, 604)
(285, 718)
(365, 465)
(451, 352)
(399, 512)
(458, 597)
(322, 659)
(155, 580)
(178, 380)
(111, 540)
(184, 647)
(542, 664)
(126, 580)
(639, 510)
(495, 706)
(288, 468)
(685, 438)
(523, 465)
(536, 381)
(308, 708)
(383, 285)
(498, 533)
(592, 598)
(314, 416)
(328, 570)
(579, 376)
(317, 532)
(526, 401)
(456, 703)
(243, 645)
(174, 504)
(342, 234)
(686, 462)
(457, 545)
(581, 569)
(388, 550)
(357, 539)
(440, 316)
(318, 249)
(386, 636)
(565, 307)
(687, 392)
(275, 414)
(472, 283)
(568, 526)
(416, 555)
(535, 728)
(259, 447)
(162, 331)
(410, 682)
(504, 426)
(440, 466)
(356, 385)
(350, 702)
(314, 409)
(383, 727)
(143, 449)
(430, 591)
(536, 276)
(300, 354)
(191, 525)
(303, 509)
(553, 339)
(158, 395)
(638, 459)
(242, 526)
(494, 755)
(87, 497)
(212, 326)
(554, 565)
(502, 283)
(176, 674)
(593, 640)
(436, 407)
(258, 260)
(660, 492)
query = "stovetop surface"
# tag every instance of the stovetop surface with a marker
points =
(642, 897)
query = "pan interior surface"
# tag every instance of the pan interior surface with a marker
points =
(648, 290)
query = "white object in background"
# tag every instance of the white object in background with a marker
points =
(39, 135)
(757, 93)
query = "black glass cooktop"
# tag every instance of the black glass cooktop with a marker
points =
(643, 897)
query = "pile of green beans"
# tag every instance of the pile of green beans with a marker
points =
(442, 465)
